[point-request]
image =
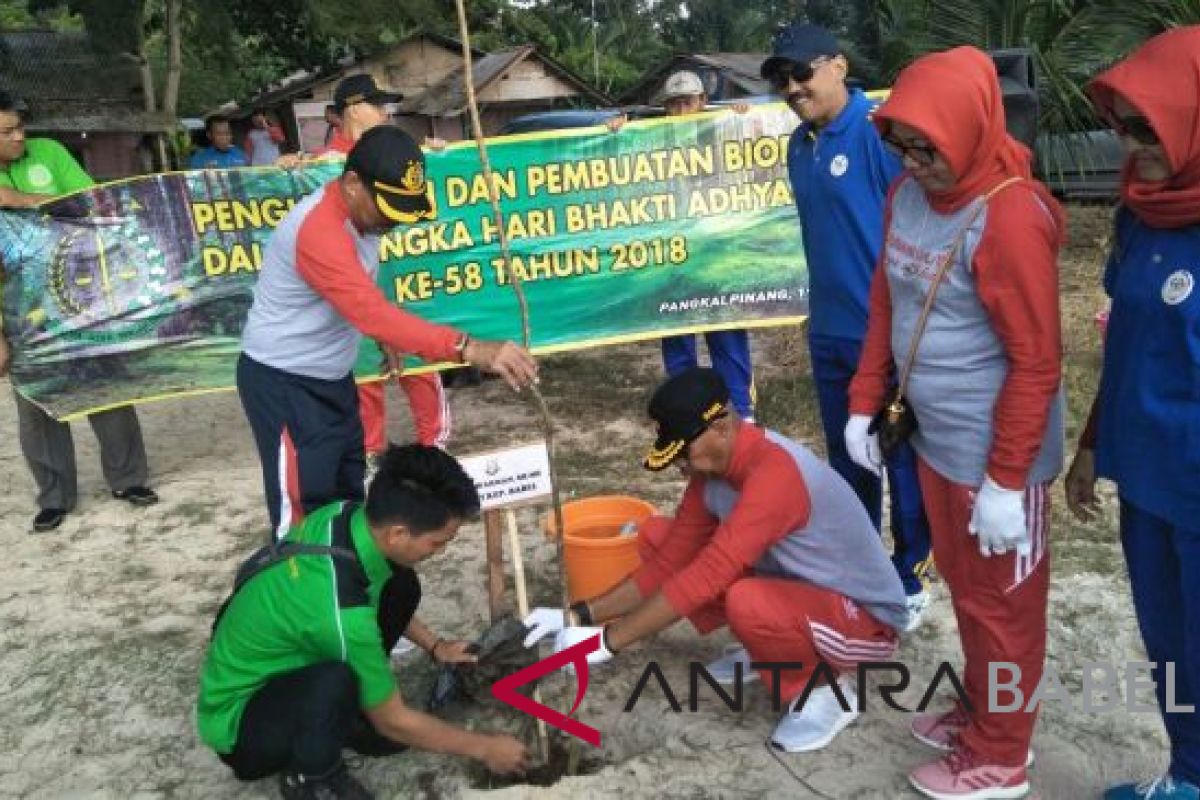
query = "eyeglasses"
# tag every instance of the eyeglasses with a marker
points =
(799, 71)
(921, 154)
(1137, 128)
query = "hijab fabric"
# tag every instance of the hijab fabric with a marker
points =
(1162, 81)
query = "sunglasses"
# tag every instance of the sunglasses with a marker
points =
(799, 71)
(1137, 128)
(922, 155)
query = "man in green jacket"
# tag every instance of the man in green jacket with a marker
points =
(33, 171)
(298, 666)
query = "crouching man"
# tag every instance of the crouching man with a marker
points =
(767, 539)
(298, 666)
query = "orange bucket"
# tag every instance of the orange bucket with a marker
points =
(598, 556)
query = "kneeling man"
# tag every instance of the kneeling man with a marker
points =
(768, 539)
(298, 665)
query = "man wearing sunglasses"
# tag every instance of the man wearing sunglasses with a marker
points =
(759, 542)
(840, 172)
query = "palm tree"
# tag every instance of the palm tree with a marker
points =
(1071, 40)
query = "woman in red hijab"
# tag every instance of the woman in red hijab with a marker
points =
(968, 227)
(1144, 429)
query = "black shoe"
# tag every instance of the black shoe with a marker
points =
(48, 519)
(338, 785)
(136, 495)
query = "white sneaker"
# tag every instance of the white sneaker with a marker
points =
(818, 722)
(916, 605)
(724, 669)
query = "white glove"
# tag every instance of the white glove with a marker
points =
(543, 622)
(573, 635)
(998, 519)
(863, 447)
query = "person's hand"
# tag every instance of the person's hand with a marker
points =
(5, 356)
(1080, 486)
(740, 108)
(615, 124)
(504, 754)
(511, 362)
(11, 198)
(393, 360)
(290, 160)
(453, 652)
(574, 634)
(862, 447)
(435, 143)
(998, 519)
(541, 622)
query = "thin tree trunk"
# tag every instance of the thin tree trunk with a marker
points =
(147, 82)
(174, 56)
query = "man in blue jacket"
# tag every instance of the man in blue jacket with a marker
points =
(840, 172)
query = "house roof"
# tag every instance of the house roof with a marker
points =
(70, 85)
(303, 82)
(738, 69)
(448, 97)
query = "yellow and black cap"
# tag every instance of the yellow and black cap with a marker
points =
(392, 167)
(683, 408)
(361, 88)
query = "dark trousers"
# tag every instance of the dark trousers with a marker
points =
(729, 352)
(1164, 560)
(49, 451)
(299, 722)
(309, 439)
(834, 361)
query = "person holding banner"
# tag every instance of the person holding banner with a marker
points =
(360, 105)
(33, 172)
(768, 539)
(840, 172)
(221, 152)
(315, 297)
(965, 305)
(297, 668)
(683, 93)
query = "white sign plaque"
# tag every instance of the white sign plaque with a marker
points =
(512, 476)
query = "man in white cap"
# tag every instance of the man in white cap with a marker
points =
(683, 93)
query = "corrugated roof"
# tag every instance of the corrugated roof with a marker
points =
(448, 97)
(63, 79)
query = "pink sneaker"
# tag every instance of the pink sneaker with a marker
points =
(940, 731)
(960, 775)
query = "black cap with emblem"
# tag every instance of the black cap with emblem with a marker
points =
(391, 165)
(361, 89)
(683, 408)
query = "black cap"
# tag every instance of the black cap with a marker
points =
(361, 89)
(392, 167)
(799, 42)
(683, 408)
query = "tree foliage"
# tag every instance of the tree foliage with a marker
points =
(231, 47)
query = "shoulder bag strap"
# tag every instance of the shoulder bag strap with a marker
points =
(937, 281)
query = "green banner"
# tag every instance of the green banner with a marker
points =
(138, 290)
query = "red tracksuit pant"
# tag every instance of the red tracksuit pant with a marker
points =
(777, 619)
(427, 401)
(1000, 602)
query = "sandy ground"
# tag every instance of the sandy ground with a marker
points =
(103, 623)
